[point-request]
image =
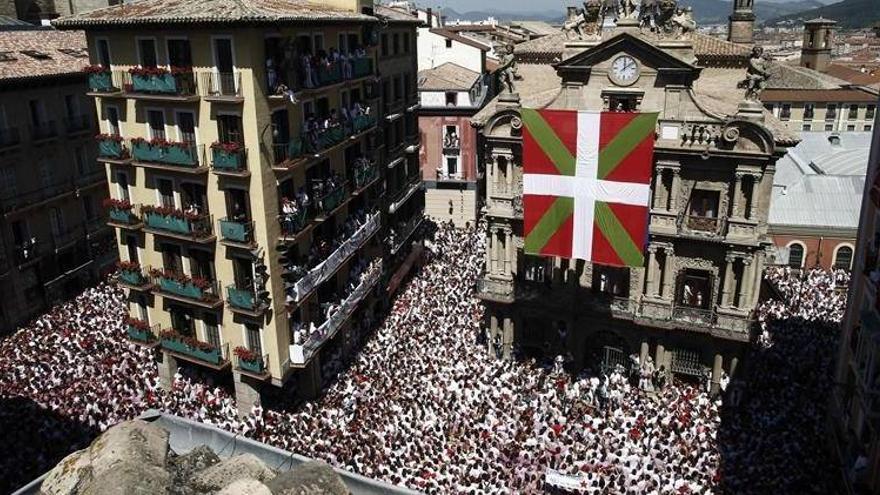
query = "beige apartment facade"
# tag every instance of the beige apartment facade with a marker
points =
(823, 110)
(239, 168)
(54, 234)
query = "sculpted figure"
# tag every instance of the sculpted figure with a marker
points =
(757, 74)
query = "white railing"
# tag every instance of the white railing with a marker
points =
(301, 354)
(317, 275)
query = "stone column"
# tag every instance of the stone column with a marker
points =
(643, 352)
(510, 174)
(756, 280)
(494, 172)
(754, 199)
(507, 339)
(728, 287)
(167, 365)
(733, 364)
(247, 394)
(659, 356)
(510, 254)
(493, 249)
(668, 270)
(737, 193)
(674, 190)
(493, 331)
(658, 182)
(651, 286)
(744, 286)
(716, 374)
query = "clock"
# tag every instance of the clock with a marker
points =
(624, 71)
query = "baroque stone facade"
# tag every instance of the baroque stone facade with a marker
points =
(691, 305)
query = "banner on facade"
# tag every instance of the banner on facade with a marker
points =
(586, 184)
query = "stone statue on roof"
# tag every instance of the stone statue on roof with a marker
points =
(507, 72)
(584, 23)
(757, 74)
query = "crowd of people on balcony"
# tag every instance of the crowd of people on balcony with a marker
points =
(294, 211)
(312, 71)
(425, 406)
(343, 121)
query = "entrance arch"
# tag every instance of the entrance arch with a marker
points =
(606, 350)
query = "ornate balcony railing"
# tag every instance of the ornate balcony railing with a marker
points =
(327, 268)
(122, 217)
(703, 224)
(237, 231)
(698, 316)
(221, 85)
(133, 277)
(177, 154)
(301, 354)
(401, 234)
(287, 151)
(186, 288)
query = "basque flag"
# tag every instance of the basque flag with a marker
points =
(586, 184)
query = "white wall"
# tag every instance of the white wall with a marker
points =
(438, 99)
(433, 52)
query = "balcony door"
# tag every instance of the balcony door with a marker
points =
(254, 343)
(695, 289)
(237, 205)
(201, 264)
(179, 53)
(186, 127)
(243, 270)
(132, 248)
(171, 257)
(182, 321)
(165, 187)
(229, 129)
(225, 63)
(147, 52)
(156, 124)
(194, 195)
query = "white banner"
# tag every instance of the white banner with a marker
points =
(326, 268)
(564, 481)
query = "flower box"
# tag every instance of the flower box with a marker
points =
(168, 223)
(180, 347)
(231, 230)
(139, 334)
(111, 148)
(154, 83)
(180, 155)
(121, 216)
(226, 160)
(145, 152)
(240, 298)
(256, 366)
(187, 289)
(100, 81)
(132, 277)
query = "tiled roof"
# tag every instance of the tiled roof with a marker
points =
(448, 76)
(36, 53)
(853, 76)
(818, 95)
(393, 14)
(540, 28)
(460, 38)
(785, 76)
(166, 12)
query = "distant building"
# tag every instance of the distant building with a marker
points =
(855, 396)
(42, 11)
(817, 197)
(449, 96)
(53, 227)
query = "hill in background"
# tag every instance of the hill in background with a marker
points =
(848, 14)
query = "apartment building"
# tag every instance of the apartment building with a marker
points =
(54, 234)
(854, 407)
(842, 109)
(264, 178)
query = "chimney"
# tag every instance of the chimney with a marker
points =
(741, 24)
(834, 139)
(430, 17)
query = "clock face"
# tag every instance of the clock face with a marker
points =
(624, 70)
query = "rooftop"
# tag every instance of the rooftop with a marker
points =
(448, 76)
(393, 14)
(170, 12)
(854, 95)
(27, 54)
(819, 182)
(446, 33)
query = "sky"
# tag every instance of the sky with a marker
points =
(523, 5)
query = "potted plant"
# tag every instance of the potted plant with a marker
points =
(227, 155)
(110, 146)
(138, 329)
(119, 210)
(130, 273)
(99, 77)
(249, 360)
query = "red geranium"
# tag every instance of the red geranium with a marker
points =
(117, 204)
(245, 354)
(109, 137)
(137, 323)
(128, 266)
(147, 71)
(230, 147)
(201, 283)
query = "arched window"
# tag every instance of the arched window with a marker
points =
(843, 257)
(796, 255)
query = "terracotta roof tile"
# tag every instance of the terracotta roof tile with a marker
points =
(448, 76)
(818, 95)
(165, 12)
(48, 42)
(394, 14)
(460, 38)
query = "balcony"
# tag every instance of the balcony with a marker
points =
(229, 159)
(251, 364)
(192, 350)
(287, 154)
(294, 224)
(78, 124)
(131, 276)
(156, 83)
(330, 202)
(164, 155)
(697, 316)
(237, 233)
(364, 176)
(122, 215)
(9, 137)
(402, 232)
(300, 354)
(403, 196)
(222, 87)
(171, 222)
(43, 131)
(701, 227)
(112, 149)
(327, 268)
(179, 287)
(245, 301)
(141, 333)
(100, 81)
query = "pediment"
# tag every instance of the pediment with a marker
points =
(648, 54)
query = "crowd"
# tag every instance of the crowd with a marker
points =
(423, 404)
(313, 71)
